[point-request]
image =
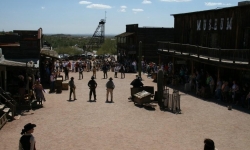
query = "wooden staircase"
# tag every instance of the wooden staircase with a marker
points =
(3, 116)
(7, 107)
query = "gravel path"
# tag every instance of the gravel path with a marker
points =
(82, 125)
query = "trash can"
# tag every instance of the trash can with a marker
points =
(58, 86)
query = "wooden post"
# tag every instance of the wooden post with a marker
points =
(173, 64)
(233, 58)
(218, 73)
(5, 80)
(219, 55)
(249, 57)
(198, 52)
(192, 66)
(181, 49)
(140, 55)
(159, 59)
(168, 46)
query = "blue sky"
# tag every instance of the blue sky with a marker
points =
(82, 17)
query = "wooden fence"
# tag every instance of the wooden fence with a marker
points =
(227, 55)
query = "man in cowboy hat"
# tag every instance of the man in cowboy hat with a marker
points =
(72, 88)
(110, 87)
(27, 141)
(92, 86)
(137, 82)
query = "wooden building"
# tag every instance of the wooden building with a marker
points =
(128, 42)
(22, 44)
(225, 28)
(216, 40)
(27, 46)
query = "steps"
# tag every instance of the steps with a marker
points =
(7, 107)
(2, 106)
(6, 110)
(3, 116)
(3, 120)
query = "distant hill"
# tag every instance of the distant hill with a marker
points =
(77, 35)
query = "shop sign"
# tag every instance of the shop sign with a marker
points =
(213, 24)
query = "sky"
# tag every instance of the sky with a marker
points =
(82, 17)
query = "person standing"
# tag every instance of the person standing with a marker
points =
(80, 73)
(73, 66)
(72, 88)
(27, 141)
(92, 86)
(110, 87)
(38, 89)
(21, 87)
(116, 69)
(122, 69)
(94, 72)
(218, 89)
(66, 71)
(52, 83)
(105, 69)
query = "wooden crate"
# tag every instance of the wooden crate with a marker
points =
(65, 86)
(143, 100)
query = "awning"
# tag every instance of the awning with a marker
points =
(125, 34)
(4, 62)
(49, 53)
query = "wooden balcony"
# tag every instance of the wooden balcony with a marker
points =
(232, 56)
(126, 46)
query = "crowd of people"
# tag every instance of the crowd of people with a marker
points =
(207, 85)
(200, 79)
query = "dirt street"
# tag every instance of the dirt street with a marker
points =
(83, 125)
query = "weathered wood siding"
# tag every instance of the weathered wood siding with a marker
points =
(227, 28)
(150, 37)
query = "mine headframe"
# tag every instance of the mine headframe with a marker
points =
(98, 37)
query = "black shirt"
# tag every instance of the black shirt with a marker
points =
(136, 83)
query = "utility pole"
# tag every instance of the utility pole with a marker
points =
(139, 59)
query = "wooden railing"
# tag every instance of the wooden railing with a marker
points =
(232, 55)
(126, 46)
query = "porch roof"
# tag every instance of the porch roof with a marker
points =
(4, 62)
(125, 34)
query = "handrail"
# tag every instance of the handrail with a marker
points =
(227, 55)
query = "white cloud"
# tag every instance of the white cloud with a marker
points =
(137, 10)
(84, 2)
(146, 2)
(42, 7)
(123, 8)
(217, 4)
(99, 6)
(175, 0)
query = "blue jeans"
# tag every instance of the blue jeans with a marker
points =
(218, 94)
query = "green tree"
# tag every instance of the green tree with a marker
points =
(108, 47)
(68, 50)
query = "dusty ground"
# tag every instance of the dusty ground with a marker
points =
(81, 125)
